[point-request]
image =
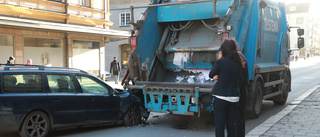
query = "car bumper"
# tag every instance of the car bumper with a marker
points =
(9, 122)
(107, 77)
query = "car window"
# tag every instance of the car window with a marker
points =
(61, 84)
(22, 83)
(89, 85)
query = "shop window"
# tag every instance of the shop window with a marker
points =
(125, 53)
(86, 56)
(44, 51)
(125, 19)
(6, 46)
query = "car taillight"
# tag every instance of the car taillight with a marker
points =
(133, 43)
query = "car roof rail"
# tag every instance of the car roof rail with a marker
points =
(39, 67)
(62, 68)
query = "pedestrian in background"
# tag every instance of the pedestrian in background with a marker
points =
(29, 62)
(10, 61)
(115, 69)
(226, 91)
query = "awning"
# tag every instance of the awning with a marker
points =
(33, 24)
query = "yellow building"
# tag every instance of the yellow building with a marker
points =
(60, 33)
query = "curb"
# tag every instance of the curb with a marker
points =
(266, 125)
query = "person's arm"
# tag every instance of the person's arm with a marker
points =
(118, 66)
(215, 69)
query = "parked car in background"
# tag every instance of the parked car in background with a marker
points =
(107, 75)
(36, 99)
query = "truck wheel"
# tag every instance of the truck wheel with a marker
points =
(282, 98)
(256, 103)
(36, 124)
(132, 116)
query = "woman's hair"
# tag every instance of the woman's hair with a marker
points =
(229, 48)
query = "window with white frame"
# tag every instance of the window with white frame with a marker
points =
(85, 3)
(124, 19)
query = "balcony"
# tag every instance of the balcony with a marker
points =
(57, 11)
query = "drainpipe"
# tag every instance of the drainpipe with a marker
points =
(67, 12)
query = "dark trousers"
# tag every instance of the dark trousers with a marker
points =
(225, 115)
(240, 131)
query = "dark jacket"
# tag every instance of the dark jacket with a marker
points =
(114, 67)
(8, 63)
(240, 131)
(228, 73)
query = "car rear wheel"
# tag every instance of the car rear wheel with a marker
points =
(36, 124)
(132, 116)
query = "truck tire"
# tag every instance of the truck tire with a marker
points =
(256, 104)
(282, 98)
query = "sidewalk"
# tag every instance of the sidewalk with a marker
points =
(299, 119)
(111, 83)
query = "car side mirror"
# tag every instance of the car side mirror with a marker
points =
(114, 92)
(300, 32)
(300, 42)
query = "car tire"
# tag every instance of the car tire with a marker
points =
(36, 124)
(132, 116)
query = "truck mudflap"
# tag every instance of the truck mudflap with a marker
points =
(176, 98)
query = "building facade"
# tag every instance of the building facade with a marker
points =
(299, 15)
(121, 17)
(59, 33)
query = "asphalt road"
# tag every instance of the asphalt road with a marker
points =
(305, 75)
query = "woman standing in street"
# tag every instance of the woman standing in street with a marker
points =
(227, 72)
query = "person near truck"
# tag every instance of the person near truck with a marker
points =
(240, 130)
(226, 91)
(115, 69)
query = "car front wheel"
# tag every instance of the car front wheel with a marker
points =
(132, 116)
(36, 124)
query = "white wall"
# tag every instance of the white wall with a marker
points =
(86, 59)
(98, 4)
(5, 53)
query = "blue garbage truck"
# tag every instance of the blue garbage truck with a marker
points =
(176, 42)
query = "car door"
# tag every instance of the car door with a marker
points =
(102, 105)
(66, 106)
